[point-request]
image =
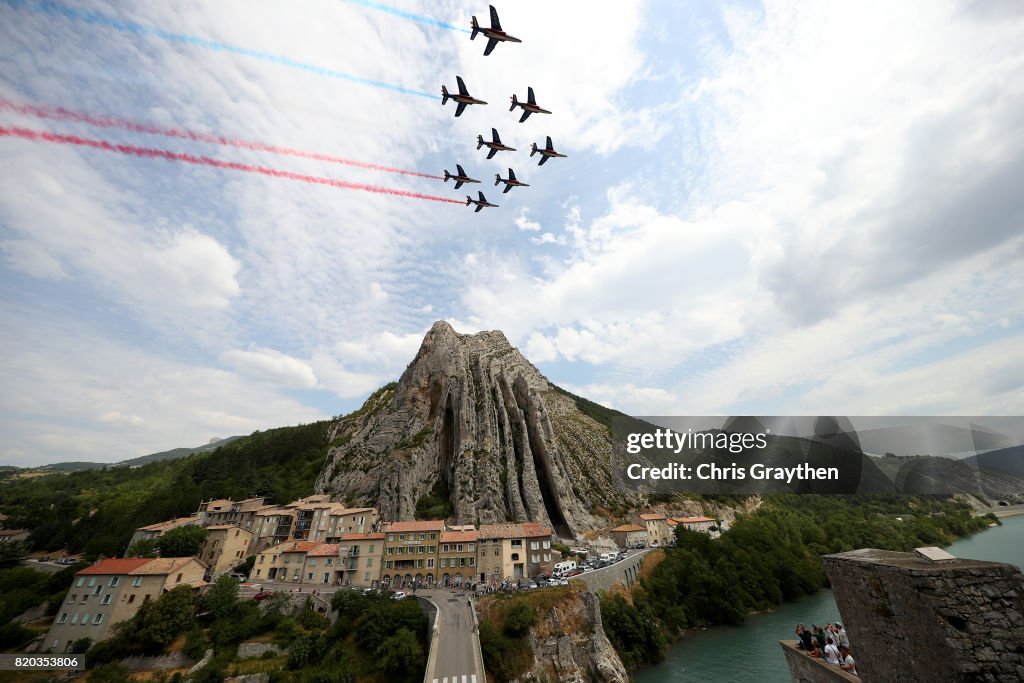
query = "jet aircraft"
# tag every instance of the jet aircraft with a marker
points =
(480, 203)
(460, 178)
(463, 98)
(510, 182)
(546, 153)
(529, 106)
(495, 145)
(494, 34)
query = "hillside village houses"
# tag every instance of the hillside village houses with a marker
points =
(112, 591)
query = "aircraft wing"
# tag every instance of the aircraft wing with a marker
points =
(462, 86)
(495, 24)
(482, 197)
(494, 135)
(458, 184)
(529, 96)
(526, 115)
(461, 108)
(542, 160)
(550, 146)
(461, 172)
(491, 154)
(490, 46)
(511, 174)
(507, 188)
(478, 209)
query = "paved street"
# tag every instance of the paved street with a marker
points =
(456, 660)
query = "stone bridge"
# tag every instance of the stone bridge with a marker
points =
(626, 572)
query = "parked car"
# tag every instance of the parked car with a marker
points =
(240, 577)
(562, 582)
(399, 595)
(263, 595)
(574, 572)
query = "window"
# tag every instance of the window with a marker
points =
(114, 580)
(471, 547)
(387, 565)
(92, 581)
(444, 548)
(369, 562)
(459, 548)
(431, 549)
(534, 545)
(433, 536)
(312, 562)
(81, 580)
(370, 550)
(401, 537)
(422, 536)
(72, 597)
(309, 576)
(390, 551)
(106, 600)
(535, 558)
(131, 598)
(262, 558)
(85, 598)
(137, 581)
(178, 580)
(366, 576)
(97, 590)
(145, 598)
(515, 557)
(98, 619)
(74, 618)
(85, 619)
(547, 557)
(258, 572)
(472, 561)
(63, 618)
(391, 538)
(430, 563)
(517, 543)
(547, 545)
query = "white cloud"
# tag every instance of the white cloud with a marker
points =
(272, 366)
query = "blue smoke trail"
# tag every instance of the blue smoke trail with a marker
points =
(405, 15)
(56, 9)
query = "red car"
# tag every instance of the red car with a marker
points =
(263, 595)
(574, 572)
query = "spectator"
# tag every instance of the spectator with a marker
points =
(819, 634)
(815, 650)
(846, 661)
(806, 640)
(831, 652)
(844, 641)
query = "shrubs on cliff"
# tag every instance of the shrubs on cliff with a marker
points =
(632, 630)
(504, 636)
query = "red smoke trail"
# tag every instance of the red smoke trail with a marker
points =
(62, 114)
(151, 153)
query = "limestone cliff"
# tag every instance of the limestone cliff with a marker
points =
(472, 412)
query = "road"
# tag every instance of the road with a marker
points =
(1004, 511)
(456, 658)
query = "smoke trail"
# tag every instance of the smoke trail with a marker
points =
(405, 15)
(62, 114)
(56, 9)
(152, 153)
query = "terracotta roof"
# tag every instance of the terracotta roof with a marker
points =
(459, 537)
(222, 526)
(324, 550)
(351, 511)
(693, 520)
(160, 526)
(117, 566)
(164, 565)
(426, 525)
(298, 546)
(629, 527)
(650, 516)
(354, 536)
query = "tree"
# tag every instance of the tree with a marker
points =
(183, 541)
(222, 598)
(160, 621)
(519, 618)
(12, 553)
(144, 548)
(401, 655)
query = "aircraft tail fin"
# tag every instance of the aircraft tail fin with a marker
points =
(497, 179)
(515, 103)
(447, 176)
(479, 141)
(533, 148)
(444, 95)
(469, 200)
(476, 28)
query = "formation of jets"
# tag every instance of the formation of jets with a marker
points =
(495, 34)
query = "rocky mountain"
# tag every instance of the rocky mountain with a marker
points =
(471, 412)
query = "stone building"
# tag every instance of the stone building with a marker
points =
(282, 562)
(152, 532)
(362, 558)
(658, 530)
(410, 553)
(226, 546)
(112, 591)
(513, 551)
(323, 565)
(457, 557)
(630, 535)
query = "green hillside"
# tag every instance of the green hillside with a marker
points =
(95, 511)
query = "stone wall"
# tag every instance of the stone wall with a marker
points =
(806, 669)
(626, 572)
(910, 619)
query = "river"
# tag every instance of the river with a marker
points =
(751, 654)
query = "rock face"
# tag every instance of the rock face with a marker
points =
(471, 412)
(569, 644)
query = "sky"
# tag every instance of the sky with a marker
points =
(767, 208)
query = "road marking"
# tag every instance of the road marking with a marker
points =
(463, 678)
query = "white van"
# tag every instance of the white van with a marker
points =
(564, 567)
(608, 557)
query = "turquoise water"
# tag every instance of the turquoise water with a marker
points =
(750, 653)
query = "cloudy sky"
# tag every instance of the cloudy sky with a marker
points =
(768, 208)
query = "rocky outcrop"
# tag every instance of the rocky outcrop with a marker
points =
(569, 644)
(470, 411)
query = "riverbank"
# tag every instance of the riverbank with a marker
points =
(749, 653)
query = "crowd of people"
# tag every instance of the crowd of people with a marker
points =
(829, 643)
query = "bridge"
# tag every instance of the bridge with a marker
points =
(626, 572)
